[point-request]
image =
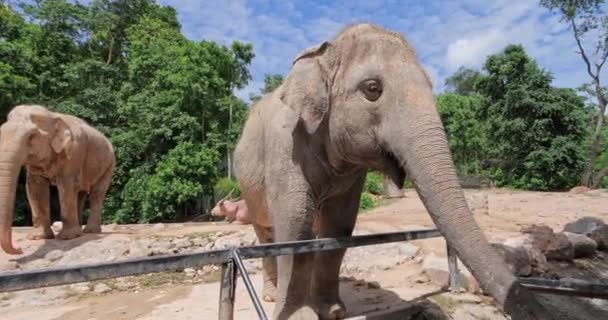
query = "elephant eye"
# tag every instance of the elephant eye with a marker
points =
(371, 89)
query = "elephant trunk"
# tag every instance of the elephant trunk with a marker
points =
(12, 157)
(422, 150)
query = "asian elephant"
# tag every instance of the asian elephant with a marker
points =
(359, 102)
(56, 149)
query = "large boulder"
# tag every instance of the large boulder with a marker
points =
(517, 258)
(555, 246)
(583, 245)
(591, 227)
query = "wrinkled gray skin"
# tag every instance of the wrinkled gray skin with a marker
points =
(306, 147)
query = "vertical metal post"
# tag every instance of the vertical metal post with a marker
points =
(236, 257)
(453, 269)
(227, 291)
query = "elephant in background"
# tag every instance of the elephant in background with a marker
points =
(359, 102)
(56, 149)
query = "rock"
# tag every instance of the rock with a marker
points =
(237, 239)
(102, 288)
(579, 189)
(57, 226)
(409, 250)
(436, 268)
(182, 243)
(422, 279)
(158, 227)
(53, 255)
(80, 288)
(516, 258)
(140, 248)
(591, 227)
(190, 272)
(463, 297)
(8, 265)
(554, 246)
(583, 245)
(477, 312)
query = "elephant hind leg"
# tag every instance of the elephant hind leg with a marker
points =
(96, 198)
(82, 200)
(38, 194)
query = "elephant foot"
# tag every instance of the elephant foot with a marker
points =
(40, 233)
(92, 229)
(302, 313)
(269, 292)
(68, 233)
(331, 310)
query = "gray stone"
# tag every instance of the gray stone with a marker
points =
(80, 288)
(583, 245)
(53, 255)
(555, 246)
(57, 226)
(102, 288)
(591, 227)
(190, 272)
(158, 227)
(516, 258)
(182, 243)
(8, 265)
(409, 250)
(477, 312)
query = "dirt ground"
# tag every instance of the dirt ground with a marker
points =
(368, 284)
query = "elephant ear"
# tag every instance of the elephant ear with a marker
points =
(306, 88)
(62, 137)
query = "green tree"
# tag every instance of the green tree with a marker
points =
(540, 128)
(463, 81)
(586, 17)
(166, 102)
(465, 129)
(271, 82)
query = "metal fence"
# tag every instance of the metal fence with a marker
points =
(231, 260)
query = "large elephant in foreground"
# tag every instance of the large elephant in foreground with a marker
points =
(360, 101)
(56, 149)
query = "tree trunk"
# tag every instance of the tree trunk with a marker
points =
(597, 181)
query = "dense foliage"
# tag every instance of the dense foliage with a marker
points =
(514, 115)
(166, 102)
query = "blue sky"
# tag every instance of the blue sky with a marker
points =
(446, 34)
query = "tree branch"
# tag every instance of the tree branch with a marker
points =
(580, 46)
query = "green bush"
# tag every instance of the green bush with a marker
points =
(373, 183)
(367, 201)
(224, 186)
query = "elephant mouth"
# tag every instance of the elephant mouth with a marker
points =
(394, 168)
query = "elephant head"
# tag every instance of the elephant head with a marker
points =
(367, 97)
(32, 135)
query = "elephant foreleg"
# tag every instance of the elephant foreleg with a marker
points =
(38, 195)
(68, 199)
(336, 219)
(292, 212)
(264, 235)
(96, 198)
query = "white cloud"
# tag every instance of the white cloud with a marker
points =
(470, 51)
(445, 34)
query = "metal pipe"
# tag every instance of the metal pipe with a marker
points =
(48, 277)
(254, 297)
(227, 291)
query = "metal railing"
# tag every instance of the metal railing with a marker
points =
(231, 261)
